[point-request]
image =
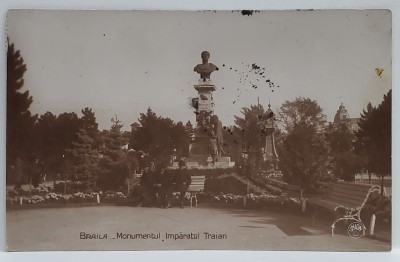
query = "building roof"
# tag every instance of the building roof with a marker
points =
(341, 114)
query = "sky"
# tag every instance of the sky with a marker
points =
(121, 62)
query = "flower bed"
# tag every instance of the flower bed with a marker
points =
(41, 196)
(113, 197)
(252, 201)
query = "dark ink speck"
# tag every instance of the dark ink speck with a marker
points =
(247, 12)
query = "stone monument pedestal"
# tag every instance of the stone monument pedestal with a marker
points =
(205, 150)
(205, 89)
(200, 146)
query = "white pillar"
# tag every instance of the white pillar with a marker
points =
(303, 204)
(302, 200)
(98, 199)
(372, 225)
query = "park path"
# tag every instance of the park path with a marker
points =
(61, 229)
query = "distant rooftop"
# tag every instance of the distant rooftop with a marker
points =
(343, 116)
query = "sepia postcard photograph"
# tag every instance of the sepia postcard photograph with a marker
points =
(199, 130)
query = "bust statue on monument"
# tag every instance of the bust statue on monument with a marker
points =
(206, 147)
(205, 68)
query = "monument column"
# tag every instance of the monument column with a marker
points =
(205, 135)
(206, 148)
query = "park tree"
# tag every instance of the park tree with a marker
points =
(362, 144)
(303, 150)
(77, 147)
(247, 130)
(345, 163)
(46, 126)
(158, 136)
(180, 137)
(67, 128)
(301, 111)
(20, 121)
(84, 161)
(374, 137)
(145, 132)
(232, 145)
(189, 127)
(54, 134)
(113, 164)
(67, 125)
(247, 133)
(89, 123)
(47, 140)
(304, 157)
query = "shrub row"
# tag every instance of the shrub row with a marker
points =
(253, 201)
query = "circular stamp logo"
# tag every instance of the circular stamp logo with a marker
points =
(355, 229)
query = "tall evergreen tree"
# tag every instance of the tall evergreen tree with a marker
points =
(20, 122)
(374, 138)
(247, 129)
(189, 128)
(53, 135)
(80, 137)
(158, 136)
(84, 160)
(143, 138)
(47, 140)
(180, 138)
(113, 164)
(345, 162)
(89, 123)
(67, 125)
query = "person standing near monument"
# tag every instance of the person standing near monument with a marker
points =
(166, 189)
(183, 181)
(205, 68)
(146, 189)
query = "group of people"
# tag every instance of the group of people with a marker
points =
(156, 188)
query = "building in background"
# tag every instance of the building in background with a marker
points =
(342, 116)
